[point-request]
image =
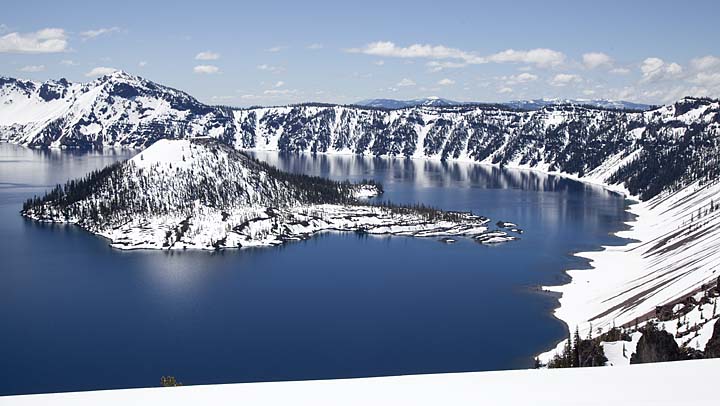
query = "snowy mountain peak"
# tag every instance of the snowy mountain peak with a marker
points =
(115, 109)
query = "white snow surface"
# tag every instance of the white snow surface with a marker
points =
(619, 352)
(646, 384)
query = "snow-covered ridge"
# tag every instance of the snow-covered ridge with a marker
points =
(116, 109)
(202, 194)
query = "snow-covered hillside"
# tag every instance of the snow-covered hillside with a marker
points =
(669, 276)
(669, 142)
(203, 194)
(117, 109)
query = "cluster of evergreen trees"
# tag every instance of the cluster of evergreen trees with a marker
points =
(579, 352)
(111, 195)
(61, 197)
(221, 181)
(666, 162)
(429, 213)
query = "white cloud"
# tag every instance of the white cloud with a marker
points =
(593, 60)
(620, 71)
(100, 71)
(505, 90)
(705, 75)
(315, 46)
(379, 63)
(270, 68)
(564, 79)
(32, 68)
(707, 79)
(4, 28)
(206, 69)
(68, 62)
(279, 83)
(279, 92)
(524, 77)
(275, 49)
(437, 66)
(142, 64)
(588, 92)
(656, 69)
(207, 56)
(389, 49)
(222, 98)
(541, 57)
(446, 82)
(406, 82)
(90, 34)
(705, 62)
(365, 75)
(47, 40)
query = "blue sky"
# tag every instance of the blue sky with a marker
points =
(274, 52)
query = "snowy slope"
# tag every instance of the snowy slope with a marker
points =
(676, 253)
(117, 109)
(649, 384)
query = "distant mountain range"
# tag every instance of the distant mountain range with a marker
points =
(537, 104)
(400, 104)
(534, 104)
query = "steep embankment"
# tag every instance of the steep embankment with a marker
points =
(667, 275)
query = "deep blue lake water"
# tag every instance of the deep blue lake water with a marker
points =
(76, 314)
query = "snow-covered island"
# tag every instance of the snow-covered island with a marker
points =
(203, 194)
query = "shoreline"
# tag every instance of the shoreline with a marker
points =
(669, 255)
(566, 309)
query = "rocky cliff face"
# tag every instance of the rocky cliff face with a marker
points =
(649, 151)
(712, 349)
(655, 346)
